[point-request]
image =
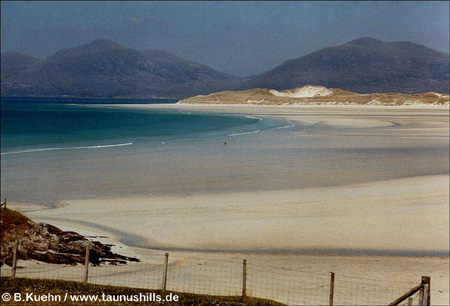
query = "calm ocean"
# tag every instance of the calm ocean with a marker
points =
(30, 125)
(64, 149)
(58, 149)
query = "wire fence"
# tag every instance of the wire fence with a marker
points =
(371, 291)
(179, 273)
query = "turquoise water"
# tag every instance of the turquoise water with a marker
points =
(58, 149)
(29, 126)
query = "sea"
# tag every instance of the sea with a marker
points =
(31, 125)
(64, 148)
(54, 150)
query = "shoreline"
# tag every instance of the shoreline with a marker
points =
(355, 119)
(207, 107)
(404, 213)
(304, 113)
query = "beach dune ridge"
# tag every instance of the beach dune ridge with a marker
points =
(312, 94)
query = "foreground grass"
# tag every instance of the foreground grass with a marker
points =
(42, 287)
(12, 225)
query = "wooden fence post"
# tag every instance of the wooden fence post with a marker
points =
(244, 278)
(421, 296)
(410, 301)
(14, 261)
(331, 289)
(418, 288)
(86, 264)
(166, 266)
(426, 281)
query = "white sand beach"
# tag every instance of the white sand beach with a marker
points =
(409, 215)
(386, 218)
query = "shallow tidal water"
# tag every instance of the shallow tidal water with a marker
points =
(59, 151)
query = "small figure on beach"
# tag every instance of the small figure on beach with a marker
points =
(225, 143)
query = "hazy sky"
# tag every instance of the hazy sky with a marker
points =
(240, 38)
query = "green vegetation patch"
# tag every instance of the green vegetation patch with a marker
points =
(11, 219)
(51, 288)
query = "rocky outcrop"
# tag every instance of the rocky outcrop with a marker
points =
(47, 243)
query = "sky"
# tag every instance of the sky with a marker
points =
(239, 38)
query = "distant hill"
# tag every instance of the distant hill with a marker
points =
(104, 68)
(365, 65)
(14, 62)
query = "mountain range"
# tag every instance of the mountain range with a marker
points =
(104, 68)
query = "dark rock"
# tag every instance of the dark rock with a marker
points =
(47, 243)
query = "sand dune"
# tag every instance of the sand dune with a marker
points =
(317, 95)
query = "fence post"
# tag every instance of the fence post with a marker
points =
(86, 264)
(14, 261)
(426, 280)
(331, 289)
(410, 301)
(244, 278)
(166, 265)
(421, 296)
